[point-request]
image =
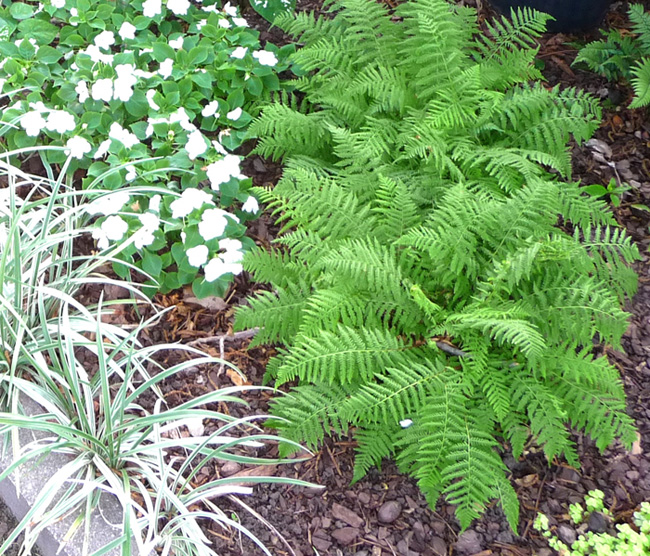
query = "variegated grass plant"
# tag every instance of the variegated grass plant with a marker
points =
(117, 446)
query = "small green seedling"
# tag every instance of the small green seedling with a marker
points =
(613, 190)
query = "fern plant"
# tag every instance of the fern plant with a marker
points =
(425, 295)
(624, 56)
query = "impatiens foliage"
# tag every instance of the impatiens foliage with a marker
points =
(144, 93)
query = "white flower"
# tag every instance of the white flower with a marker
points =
(224, 23)
(96, 55)
(105, 39)
(176, 44)
(251, 205)
(127, 31)
(120, 134)
(240, 22)
(196, 144)
(210, 110)
(198, 255)
(102, 149)
(230, 245)
(217, 268)
(78, 146)
(145, 235)
(182, 118)
(219, 147)
(150, 94)
(213, 223)
(108, 204)
(230, 10)
(189, 200)
(32, 123)
(234, 114)
(406, 423)
(239, 52)
(179, 7)
(101, 237)
(154, 203)
(151, 8)
(114, 227)
(131, 174)
(125, 82)
(60, 121)
(82, 90)
(265, 58)
(221, 171)
(74, 12)
(58, 3)
(102, 89)
(166, 68)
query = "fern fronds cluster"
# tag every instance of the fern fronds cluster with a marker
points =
(626, 56)
(425, 296)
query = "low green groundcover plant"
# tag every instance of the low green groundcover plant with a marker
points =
(624, 56)
(425, 292)
(144, 93)
(628, 541)
(91, 379)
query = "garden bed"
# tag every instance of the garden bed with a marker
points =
(385, 513)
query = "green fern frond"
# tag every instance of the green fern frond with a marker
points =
(374, 443)
(641, 83)
(347, 356)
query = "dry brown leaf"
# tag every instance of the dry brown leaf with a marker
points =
(636, 446)
(237, 378)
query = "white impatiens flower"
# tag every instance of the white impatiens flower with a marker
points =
(125, 82)
(101, 237)
(265, 58)
(239, 52)
(108, 204)
(154, 203)
(58, 3)
(114, 227)
(105, 39)
(96, 55)
(240, 22)
(127, 31)
(82, 90)
(179, 7)
(190, 199)
(131, 174)
(234, 114)
(213, 223)
(151, 8)
(176, 44)
(78, 147)
(251, 205)
(217, 268)
(225, 24)
(210, 109)
(145, 235)
(102, 89)
(150, 94)
(122, 135)
(221, 171)
(230, 9)
(60, 121)
(405, 423)
(32, 123)
(102, 149)
(231, 246)
(196, 144)
(198, 255)
(166, 68)
(182, 117)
